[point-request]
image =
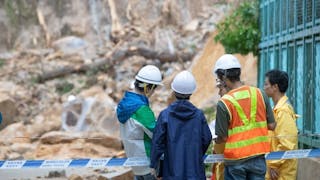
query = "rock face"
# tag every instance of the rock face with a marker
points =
(74, 116)
(92, 111)
(8, 110)
(40, 22)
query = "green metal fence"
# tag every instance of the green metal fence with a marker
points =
(291, 41)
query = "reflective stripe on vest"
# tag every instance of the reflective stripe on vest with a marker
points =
(249, 125)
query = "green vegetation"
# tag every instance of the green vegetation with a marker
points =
(95, 70)
(92, 72)
(64, 87)
(210, 113)
(21, 11)
(239, 32)
(34, 80)
(2, 62)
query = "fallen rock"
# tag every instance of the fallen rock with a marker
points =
(75, 177)
(14, 133)
(8, 110)
(105, 140)
(22, 148)
(73, 45)
(4, 151)
(14, 156)
(64, 145)
(55, 137)
(49, 120)
(192, 26)
(55, 174)
(119, 173)
(70, 45)
(91, 111)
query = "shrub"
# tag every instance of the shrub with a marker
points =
(239, 32)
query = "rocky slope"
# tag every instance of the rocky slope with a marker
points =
(97, 47)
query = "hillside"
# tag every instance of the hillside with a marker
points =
(65, 66)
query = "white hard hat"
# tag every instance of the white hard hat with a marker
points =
(184, 83)
(149, 74)
(226, 61)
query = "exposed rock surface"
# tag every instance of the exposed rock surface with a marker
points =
(8, 109)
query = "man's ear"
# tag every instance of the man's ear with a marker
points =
(275, 86)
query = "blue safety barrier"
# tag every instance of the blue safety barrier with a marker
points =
(139, 161)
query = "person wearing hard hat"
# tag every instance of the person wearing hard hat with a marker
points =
(137, 120)
(243, 118)
(285, 136)
(182, 135)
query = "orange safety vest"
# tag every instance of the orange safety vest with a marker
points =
(247, 133)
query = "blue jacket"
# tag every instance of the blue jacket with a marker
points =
(183, 136)
(130, 103)
(137, 122)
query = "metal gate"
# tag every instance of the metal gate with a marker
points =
(290, 40)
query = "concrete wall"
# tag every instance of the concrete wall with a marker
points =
(309, 169)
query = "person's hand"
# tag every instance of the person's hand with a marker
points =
(274, 174)
(153, 172)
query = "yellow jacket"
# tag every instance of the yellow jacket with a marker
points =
(218, 168)
(284, 138)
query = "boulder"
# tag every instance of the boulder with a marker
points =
(105, 140)
(8, 110)
(91, 111)
(22, 148)
(14, 133)
(75, 177)
(64, 145)
(118, 173)
(72, 45)
(49, 120)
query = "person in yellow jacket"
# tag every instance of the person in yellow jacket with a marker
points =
(218, 168)
(284, 137)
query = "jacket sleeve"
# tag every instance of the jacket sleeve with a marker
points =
(158, 141)
(206, 134)
(287, 131)
(270, 115)
(222, 120)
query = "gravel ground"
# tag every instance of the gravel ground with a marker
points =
(59, 174)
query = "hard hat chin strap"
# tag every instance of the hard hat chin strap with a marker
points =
(146, 91)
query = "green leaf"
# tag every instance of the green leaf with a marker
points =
(239, 33)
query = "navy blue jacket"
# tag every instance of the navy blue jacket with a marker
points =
(183, 136)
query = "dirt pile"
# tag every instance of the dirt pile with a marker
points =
(206, 94)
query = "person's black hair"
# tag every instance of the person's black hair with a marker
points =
(232, 74)
(182, 96)
(139, 85)
(278, 77)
